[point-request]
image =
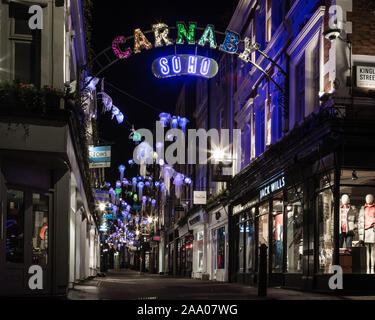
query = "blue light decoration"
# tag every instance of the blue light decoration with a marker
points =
(140, 189)
(118, 184)
(131, 162)
(188, 180)
(164, 117)
(153, 202)
(120, 118)
(174, 122)
(182, 122)
(134, 183)
(187, 64)
(121, 168)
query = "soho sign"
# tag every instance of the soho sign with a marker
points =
(184, 64)
(272, 187)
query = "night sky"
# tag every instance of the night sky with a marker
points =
(114, 18)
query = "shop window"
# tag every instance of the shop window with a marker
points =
(15, 226)
(250, 245)
(357, 221)
(241, 256)
(277, 236)
(268, 20)
(200, 250)
(40, 229)
(294, 236)
(263, 224)
(324, 207)
(221, 248)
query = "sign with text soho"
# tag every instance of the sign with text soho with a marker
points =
(99, 157)
(272, 186)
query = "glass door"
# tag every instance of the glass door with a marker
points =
(26, 238)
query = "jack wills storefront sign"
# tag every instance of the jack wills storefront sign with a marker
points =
(273, 186)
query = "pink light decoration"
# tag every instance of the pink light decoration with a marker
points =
(116, 49)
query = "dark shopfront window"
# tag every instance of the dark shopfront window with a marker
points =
(221, 248)
(294, 231)
(15, 226)
(246, 242)
(277, 235)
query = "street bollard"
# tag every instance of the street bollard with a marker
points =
(262, 281)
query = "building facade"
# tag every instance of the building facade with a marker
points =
(48, 216)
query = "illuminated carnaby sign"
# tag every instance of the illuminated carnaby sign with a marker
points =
(185, 35)
(184, 64)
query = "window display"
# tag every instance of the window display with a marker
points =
(277, 236)
(325, 226)
(263, 224)
(294, 248)
(241, 245)
(357, 221)
(200, 250)
(250, 245)
(40, 231)
(221, 248)
(15, 225)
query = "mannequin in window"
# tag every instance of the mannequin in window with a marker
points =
(348, 221)
(366, 230)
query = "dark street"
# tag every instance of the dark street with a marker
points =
(131, 285)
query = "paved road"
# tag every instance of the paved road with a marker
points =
(131, 285)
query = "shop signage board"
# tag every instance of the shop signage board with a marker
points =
(274, 185)
(200, 197)
(238, 208)
(99, 157)
(196, 219)
(101, 195)
(366, 77)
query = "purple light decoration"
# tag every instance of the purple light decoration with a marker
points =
(115, 111)
(164, 117)
(178, 182)
(144, 199)
(128, 207)
(174, 122)
(114, 209)
(153, 202)
(118, 184)
(108, 184)
(134, 184)
(147, 184)
(157, 184)
(92, 84)
(182, 122)
(131, 162)
(121, 168)
(125, 182)
(107, 101)
(120, 118)
(140, 189)
(123, 203)
(149, 199)
(113, 195)
(162, 187)
(188, 180)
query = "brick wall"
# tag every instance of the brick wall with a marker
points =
(363, 20)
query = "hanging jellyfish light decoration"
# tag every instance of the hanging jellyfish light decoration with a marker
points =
(115, 111)
(174, 122)
(153, 203)
(118, 184)
(164, 117)
(147, 184)
(107, 101)
(144, 199)
(113, 195)
(167, 175)
(178, 181)
(125, 182)
(140, 189)
(131, 162)
(134, 184)
(121, 169)
(157, 184)
(188, 180)
(182, 122)
(120, 118)
(144, 156)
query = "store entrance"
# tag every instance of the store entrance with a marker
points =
(27, 238)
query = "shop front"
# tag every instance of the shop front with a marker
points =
(184, 252)
(218, 244)
(197, 225)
